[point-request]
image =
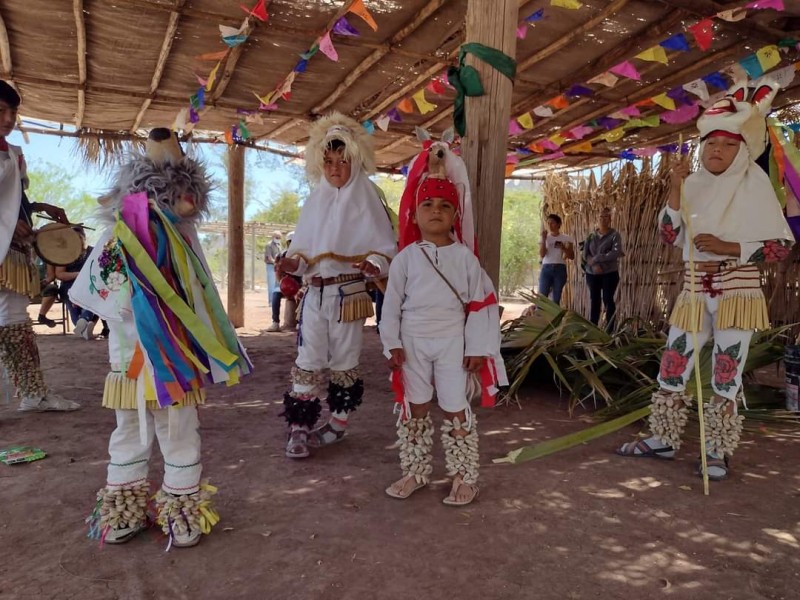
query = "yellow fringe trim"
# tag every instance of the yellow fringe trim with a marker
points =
(120, 392)
(18, 274)
(356, 307)
(746, 311)
(340, 257)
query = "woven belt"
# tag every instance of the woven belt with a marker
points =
(318, 281)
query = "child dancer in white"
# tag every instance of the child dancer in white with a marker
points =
(431, 284)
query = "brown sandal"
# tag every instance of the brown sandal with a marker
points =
(458, 483)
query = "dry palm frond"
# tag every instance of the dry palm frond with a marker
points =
(112, 149)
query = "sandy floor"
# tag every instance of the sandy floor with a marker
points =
(579, 524)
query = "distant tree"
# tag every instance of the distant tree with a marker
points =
(283, 208)
(519, 240)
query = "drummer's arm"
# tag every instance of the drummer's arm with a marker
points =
(53, 211)
(63, 275)
(22, 232)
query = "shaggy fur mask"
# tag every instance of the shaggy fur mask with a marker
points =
(163, 182)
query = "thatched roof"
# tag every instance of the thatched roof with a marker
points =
(115, 67)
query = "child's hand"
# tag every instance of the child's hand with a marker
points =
(679, 173)
(397, 359)
(706, 242)
(473, 364)
(367, 268)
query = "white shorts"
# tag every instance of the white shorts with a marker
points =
(435, 363)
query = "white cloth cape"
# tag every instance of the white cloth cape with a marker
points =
(349, 221)
(738, 205)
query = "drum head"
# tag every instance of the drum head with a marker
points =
(58, 244)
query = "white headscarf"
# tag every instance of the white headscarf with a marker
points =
(738, 205)
(346, 224)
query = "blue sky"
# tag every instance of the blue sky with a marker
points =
(266, 172)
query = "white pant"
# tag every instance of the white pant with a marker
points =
(435, 362)
(325, 343)
(178, 438)
(729, 355)
(13, 307)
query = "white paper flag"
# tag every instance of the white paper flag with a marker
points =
(543, 111)
(697, 87)
(383, 123)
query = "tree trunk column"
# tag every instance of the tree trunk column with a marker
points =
(492, 23)
(236, 235)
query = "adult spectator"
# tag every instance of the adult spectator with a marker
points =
(47, 277)
(555, 248)
(83, 320)
(271, 253)
(601, 253)
(277, 295)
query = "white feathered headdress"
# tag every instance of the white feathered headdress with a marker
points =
(336, 126)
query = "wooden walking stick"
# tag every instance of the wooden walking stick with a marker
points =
(694, 325)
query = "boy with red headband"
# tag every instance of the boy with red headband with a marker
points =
(735, 221)
(433, 282)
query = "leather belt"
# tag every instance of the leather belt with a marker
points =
(318, 281)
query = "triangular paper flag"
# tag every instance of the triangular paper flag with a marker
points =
(578, 90)
(522, 31)
(654, 54)
(358, 8)
(548, 144)
(435, 87)
(645, 152)
(581, 131)
(200, 80)
(181, 120)
(405, 105)
(193, 116)
(265, 100)
(232, 42)
(259, 11)
(526, 121)
(229, 137)
(626, 69)
(310, 52)
(369, 126)
(717, 80)
(664, 101)
(343, 27)
(286, 86)
(553, 156)
(607, 79)
(651, 121)
(510, 168)
(536, 147)
(677, 43)
(226, 31)
(543, 111)
(383, 122)
(326, 47)
(703, 33)
(301, 65)
(255, 119)
(768, 56)
(620, 115)
(558, 140)
(537, 16)
(783, 77)
(631, 111)
(684, 114)
(514, 127)
(614, 135)
(394, 115)
(733, 15)
(212, 77)
(752, 65)
(735, 72)
(582, 147)
(558, 102)
(423, 105)
(512, 158)
(244, 133)
(569, 4)
(762, 4)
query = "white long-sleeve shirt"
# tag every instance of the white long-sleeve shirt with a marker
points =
(419, 303)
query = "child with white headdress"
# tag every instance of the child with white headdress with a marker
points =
(735, 220)
(344, 235)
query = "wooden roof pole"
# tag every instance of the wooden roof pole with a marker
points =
(161, 63)
(236, 235)
(80, 27)
(494, 24)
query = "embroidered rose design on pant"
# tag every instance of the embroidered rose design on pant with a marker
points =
(674, 362)
(726, 367)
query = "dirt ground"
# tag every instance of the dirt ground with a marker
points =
(579, 524)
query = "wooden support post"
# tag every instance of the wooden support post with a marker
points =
(236, 235)
(492, 23)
